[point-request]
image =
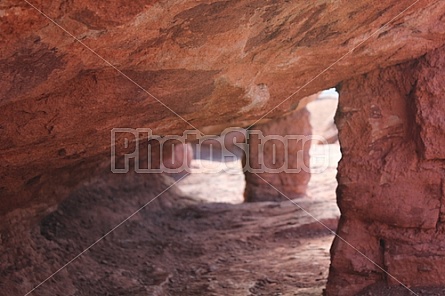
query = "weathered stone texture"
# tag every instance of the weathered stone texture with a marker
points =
(280, 149)
(391, 178)
(218, 63)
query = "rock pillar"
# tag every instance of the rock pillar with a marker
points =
(391, 179)
(278, 155)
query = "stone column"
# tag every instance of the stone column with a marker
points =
(177, 155)
(282, 158)
(391, 179)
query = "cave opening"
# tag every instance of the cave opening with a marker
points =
(204, 238)
(276, 231)
(70, 225)
(217, 175)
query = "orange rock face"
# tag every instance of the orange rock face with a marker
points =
(277, 163)
(391, 178)
(71, 71)
(214, 63)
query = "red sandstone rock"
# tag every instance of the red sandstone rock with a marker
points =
(280, 151)
(430, 107)
(178, 156)
(215, 64)
(229, 63)
(391, 178)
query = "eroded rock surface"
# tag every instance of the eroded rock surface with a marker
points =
(217, 63)
(391, 178)
(277, 163)
(175, 245)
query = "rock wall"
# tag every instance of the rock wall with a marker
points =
(226, 63)
(223, 63)
(280, 151)
(391, 178)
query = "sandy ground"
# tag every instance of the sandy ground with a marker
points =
(265, 248)
(195, 238)
(271, 248)
(218, 181)
(201, 241)
(136, 234)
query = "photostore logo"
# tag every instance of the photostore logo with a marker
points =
(142, 151)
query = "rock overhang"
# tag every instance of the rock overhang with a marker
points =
(218, 63)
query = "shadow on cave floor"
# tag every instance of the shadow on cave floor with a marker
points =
(174, 246)
(197, 238)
